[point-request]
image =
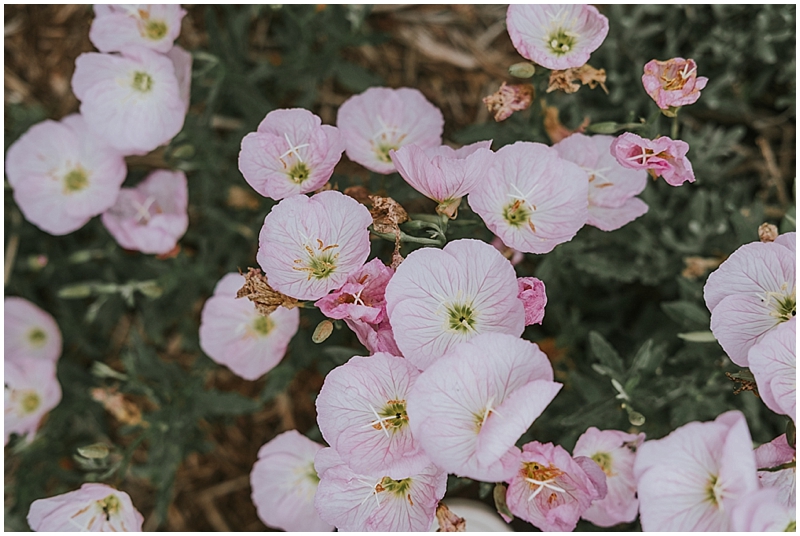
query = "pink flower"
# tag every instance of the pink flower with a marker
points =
(761, 511)
(233, 333)
(534, 298)
(132, 101)
(291, 153)
(284, 484)
(375, 337)
(310, 246)
(556, 36)
(182, 62)
(773, 362)
(362, 297)
(769, 457)
(441, 297)
(93, 508)
(532, 199)
(690, 480)
(381, 119)
(751, 293)
(444, 174)
(614, 452)
(673, 83)
(30, 332)
(361, 412)
(471, 405)
(362, 501)
(662, 157)
(612, 187)
(151, 217)
(62, 175)
(551, 490)
(31, 390)
(116, 27)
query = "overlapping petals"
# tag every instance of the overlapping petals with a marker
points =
(773, 362)
(662, 157)
(31, 390)
(534, 298)
(116, 27)
(761, 511)
(673, 83)
(30, 332)
(362, 297)
(92, 508)
(769, 459)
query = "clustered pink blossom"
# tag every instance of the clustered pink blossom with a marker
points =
(662, 157)
(92, 508)
(673, 83)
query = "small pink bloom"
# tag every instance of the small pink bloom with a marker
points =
(441, 297)
(662, 157)
(131, 100)
(361, 412)
(291, 153)
(31, 390)
(372, 501)
(762, 511)
(511, 254)
(531, 198)
(509, 99)
(750, 294)
(310, 246)
(551, 490)
(30, 332)
(441, 173)
(470, 407)
(284, 484)
(155, 26)
(182, 62)
(381, 119)
(673, 83)
(375, 337)
(534, 298)
(362, 297)
(62, 175)
(556, 36)
(773, 362)
(233, 333)
(614, 452)
(769, 457)
(93, 508)
(612, 187)
(690, 480)
(151, 217)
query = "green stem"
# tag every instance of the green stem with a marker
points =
(675, 127)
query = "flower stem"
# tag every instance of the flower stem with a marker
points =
(675, 126)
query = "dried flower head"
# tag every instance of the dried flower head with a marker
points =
(509, 99)
(266, 299)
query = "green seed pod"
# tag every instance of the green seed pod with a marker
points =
(323, 331)
(522, 70)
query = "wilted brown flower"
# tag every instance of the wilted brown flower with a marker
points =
(123, 410)
(448, 521)
(567, 80)
(553, 126)
(698, 266)
(767, 232)
(387, 214)
(266, 299)
(509, 99)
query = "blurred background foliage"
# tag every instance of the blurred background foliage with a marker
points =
(626, 327)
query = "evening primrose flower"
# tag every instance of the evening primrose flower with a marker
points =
(284, 483)
(92, 508)
(661, 157)
(361, 412)
(31, 389)
(773, 362)
(531, 198)
(441, 297)
(762, 511)
(382, 119)
(310, 246)
(151, 217)
(375, 337)
(533, 297)
(673, 83)
(118, 26)
(290, 153)
(556, 36)
(182, 62)
(769, 459)
(63, 175)
(233, 333)
(362, 297)
(470, 407)
(30, 332)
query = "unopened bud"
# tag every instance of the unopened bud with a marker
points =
(323, 331)
(606, 127)
(98, 451)
(522, 70)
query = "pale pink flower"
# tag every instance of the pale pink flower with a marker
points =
(92, 508)
(284, 483)
(691, 479)
(310, 246)
(556, 36)
(182, 62)
(614, 452)
(511, 254)
(62, 175)
(375, 337)
(762, 511)
(531, 198)
(441, 297)
(751, 293)
(769, 458)
(361, 297)
(361, 501)
(612, 187)
(290, 153)
(30, 332)
(233, 333)
(673, 83)
(534, 298)
(381, 119)
(470, 407)
(131, 100)
(31, 390)
(361, 412)
(119, 26)
(551, 490)
(661, 157)
(442, 173)
(773, 362)
(151, 217)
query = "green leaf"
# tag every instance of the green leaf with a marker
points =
(355, 78)
(687, 314)
(605, 352)
(698, 336)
